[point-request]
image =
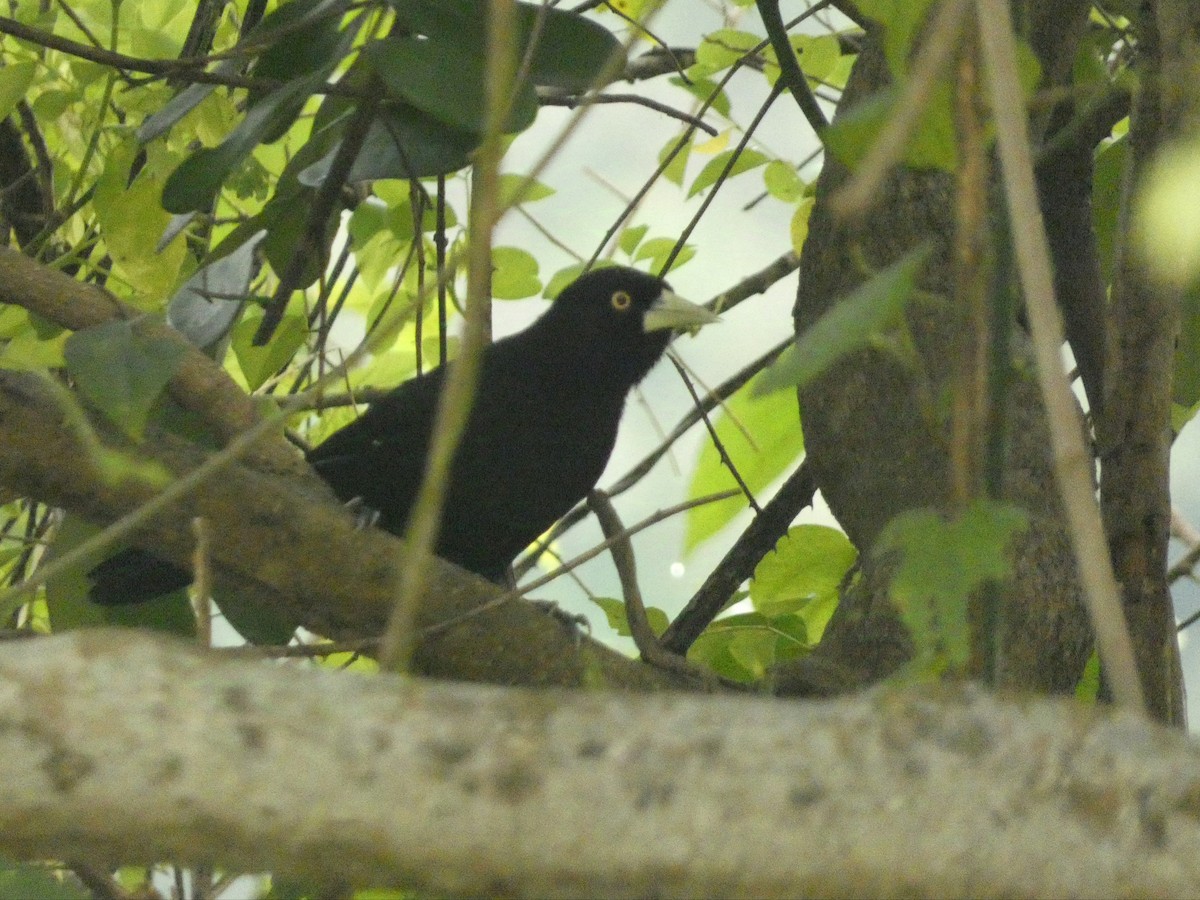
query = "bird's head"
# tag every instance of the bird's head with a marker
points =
(625, 315)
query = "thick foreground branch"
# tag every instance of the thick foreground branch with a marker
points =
(463, 789)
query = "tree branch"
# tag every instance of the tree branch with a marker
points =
(470, 790)
(296, 551)
(199, 384)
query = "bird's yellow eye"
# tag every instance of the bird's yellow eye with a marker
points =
(621, 301)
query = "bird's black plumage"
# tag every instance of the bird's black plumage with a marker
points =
(538, 437)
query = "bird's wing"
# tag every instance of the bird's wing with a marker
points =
(379, 458)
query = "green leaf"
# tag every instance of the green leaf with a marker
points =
(776, 440)
(121, 372)
(853, 323)
(614, 611)
(942, 562)
(15, 80)
(807, 565)
(1166, 224)
(563, 277)
(571, 51)
(721, 49)
(67, 595)
(820, 54)
(747, 160)
(783, 182)
(753, 650)
(706, 91)
(1106, 202)
(745, 645)
(37, 347)
(932, 145)
(444, 78)
(1185, 388)
(132, 220)
(1088, 688)
(658, 249)
(677, 167)
(514, 274)
(902, 24)
(631, 237)
(511, 182)
(405, 143)
(798, 229)
(194, 185)
(260, 363)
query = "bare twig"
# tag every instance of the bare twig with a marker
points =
(570, 101)
(635, 609)
(1072, 462)
(652, 519)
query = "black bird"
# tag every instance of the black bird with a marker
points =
(538, 438)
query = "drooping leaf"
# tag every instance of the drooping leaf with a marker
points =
(853, 323)
(571, 51)
(260, 363)
(713, 169)
(121, 372)
(677, 167)
(444, 78)
(205, 308)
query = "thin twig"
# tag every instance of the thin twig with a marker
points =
(1072, 462)
(721, 179)
(713, 436)
(790, 72)
(570, 101)
(575, 562)
(643, 635)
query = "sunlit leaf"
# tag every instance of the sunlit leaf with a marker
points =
(514, 274)
(775, 442)
(748, 159)
(260, 363)
(807, 565)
